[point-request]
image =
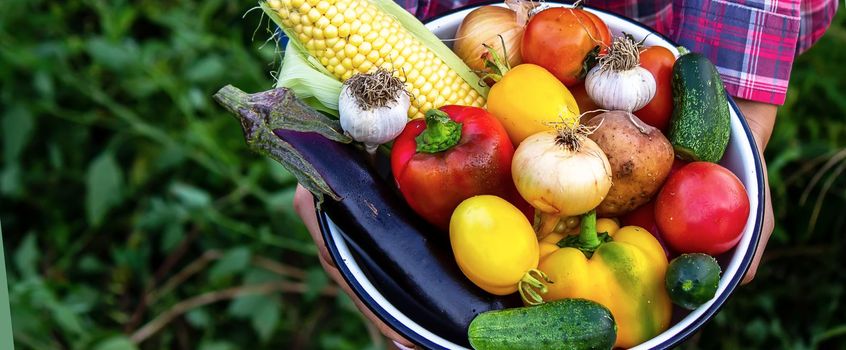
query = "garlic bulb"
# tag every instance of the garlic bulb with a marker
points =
(373, 108)
(618, 82)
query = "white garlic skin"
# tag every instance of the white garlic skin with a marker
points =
(375, 126)
(627, 90)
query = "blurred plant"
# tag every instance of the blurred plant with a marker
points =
(133, 213)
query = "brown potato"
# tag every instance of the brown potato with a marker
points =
(640, 158)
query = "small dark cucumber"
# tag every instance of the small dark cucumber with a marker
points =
(562, 324)
(700, 125)
(692, 279)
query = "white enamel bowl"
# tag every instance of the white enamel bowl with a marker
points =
(740, 157)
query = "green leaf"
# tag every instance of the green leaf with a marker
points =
(117, 342)
(104, 184)
(206, 69)
(234, 261)
(112, 54)
(18, 124)
(26, 256)
(66, 318)
(218, 345)
(246, 306)
(192, 197)
(199, 318)
(89, 264)
(316, 280)
(82, 299)
(10, 181)
(173, 234)
(265, 319)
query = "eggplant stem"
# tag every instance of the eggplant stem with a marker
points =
(262, 113)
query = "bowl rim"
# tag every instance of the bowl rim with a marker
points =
(419, 340)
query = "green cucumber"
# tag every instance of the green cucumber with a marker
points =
(562, 324)
(692, 279)
(700, 125)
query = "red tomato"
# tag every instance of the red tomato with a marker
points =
(602, 30)
(479, 162)
(560, 39)
(659, 61)
(702, 208)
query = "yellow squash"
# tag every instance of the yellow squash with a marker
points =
(623, 270)
(529, 99)
(495, 247)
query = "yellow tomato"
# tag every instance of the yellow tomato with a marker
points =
(528, 98)
(493, 243)
(607, 225)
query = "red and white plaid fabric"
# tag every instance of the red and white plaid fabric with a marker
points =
(752, 42)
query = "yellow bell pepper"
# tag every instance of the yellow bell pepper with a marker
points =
(528, 99)
(622, 270)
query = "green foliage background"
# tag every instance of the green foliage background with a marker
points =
(129, 201)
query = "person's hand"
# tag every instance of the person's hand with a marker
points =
(761, 119)
(304, 206)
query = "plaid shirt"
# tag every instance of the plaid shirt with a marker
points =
(752, 42)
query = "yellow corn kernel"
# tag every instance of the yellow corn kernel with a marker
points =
(350, 51)
(344, 30)
(337, 20)
(331, 12)
(373, 57)
(356, 40)
(322, 22)
(358, 59)
(339, 46)
(304, 8)
(355, 27)
(320, 45)
(365, 67)
(330, 32)
(365, 48)
(322, 7)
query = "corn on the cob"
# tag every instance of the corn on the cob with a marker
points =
(356, 36)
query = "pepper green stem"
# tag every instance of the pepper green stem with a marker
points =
(588, 239)
(532, 285)
(441, 133)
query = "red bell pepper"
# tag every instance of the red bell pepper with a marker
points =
(455, 153)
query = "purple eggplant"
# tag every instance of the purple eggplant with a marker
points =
(408, 260)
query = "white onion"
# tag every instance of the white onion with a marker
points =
(483, 26)
(558, 179)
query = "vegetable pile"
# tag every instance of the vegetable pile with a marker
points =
(477, 186)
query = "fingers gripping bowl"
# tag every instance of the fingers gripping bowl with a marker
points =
(399, 309)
